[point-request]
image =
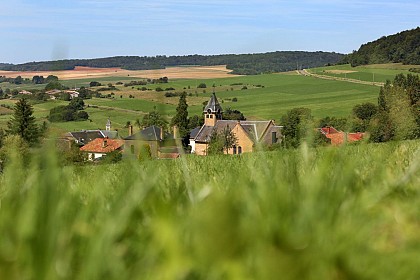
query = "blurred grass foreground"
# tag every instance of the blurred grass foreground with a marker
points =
(326, 213)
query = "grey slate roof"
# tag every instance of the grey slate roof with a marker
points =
(194, 132)
(213, 105)
(85, 136)
(258, 131)
(206, 131)
(151, 133)
(111, 134)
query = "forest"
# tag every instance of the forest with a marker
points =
(403, 47)
(244, 64)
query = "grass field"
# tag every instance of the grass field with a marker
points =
(369, 73)
(266, 97)
(328, 213)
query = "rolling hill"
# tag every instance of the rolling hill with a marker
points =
(244, 64)
(403, 47)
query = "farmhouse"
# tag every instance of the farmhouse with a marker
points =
(248, 134)
(83, 137)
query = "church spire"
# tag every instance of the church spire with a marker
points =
(213, 111)
(108, 125)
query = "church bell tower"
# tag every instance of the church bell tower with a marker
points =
(212, 112)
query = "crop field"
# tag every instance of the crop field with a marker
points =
(327, 213)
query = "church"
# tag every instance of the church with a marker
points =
(249, 134)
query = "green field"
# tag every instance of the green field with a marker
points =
(368, 73)
(267, 96)
(328, 213)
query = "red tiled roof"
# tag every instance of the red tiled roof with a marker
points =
(339, 137)
(98, 145)
(351, 137)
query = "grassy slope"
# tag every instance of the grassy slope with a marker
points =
(369, 73)
(348, 213)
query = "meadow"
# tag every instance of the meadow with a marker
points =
(267, 96)
(368, 73)
(326, 213)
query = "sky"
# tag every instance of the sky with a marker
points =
(40, 30)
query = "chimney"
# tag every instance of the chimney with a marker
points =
(162, 133)
(130, 130)
(105, 142)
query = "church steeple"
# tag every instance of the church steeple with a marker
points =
(213, 111)
(108, 125)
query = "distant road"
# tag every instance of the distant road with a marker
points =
(304, 72)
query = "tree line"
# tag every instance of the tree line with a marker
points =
(403, 47)
(246, 64)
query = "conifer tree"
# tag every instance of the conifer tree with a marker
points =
(181, 117)
(23, 123)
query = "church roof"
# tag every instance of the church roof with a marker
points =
(213, 105)
(255, 129)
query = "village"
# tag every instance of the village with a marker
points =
(246, 136)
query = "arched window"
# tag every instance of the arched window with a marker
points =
(234, 149)
(239, 150)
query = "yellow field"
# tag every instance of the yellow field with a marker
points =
(190, 72)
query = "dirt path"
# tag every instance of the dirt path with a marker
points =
(304, 72)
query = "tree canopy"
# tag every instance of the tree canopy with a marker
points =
(153, 118)
(402, 47)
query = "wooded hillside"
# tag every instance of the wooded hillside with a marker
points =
(403, 47)
(246, 64)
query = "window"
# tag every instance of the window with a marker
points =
(211, 116)
(239, 150)
(234, 150)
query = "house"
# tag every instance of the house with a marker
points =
(248, 134)
(53, 93)
(25, 92)
(83, 137)
(101, 147)
(338, 137)
(72, 93)
(153, 136)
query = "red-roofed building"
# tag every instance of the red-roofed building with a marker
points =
(101, 147)
(339, 137)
